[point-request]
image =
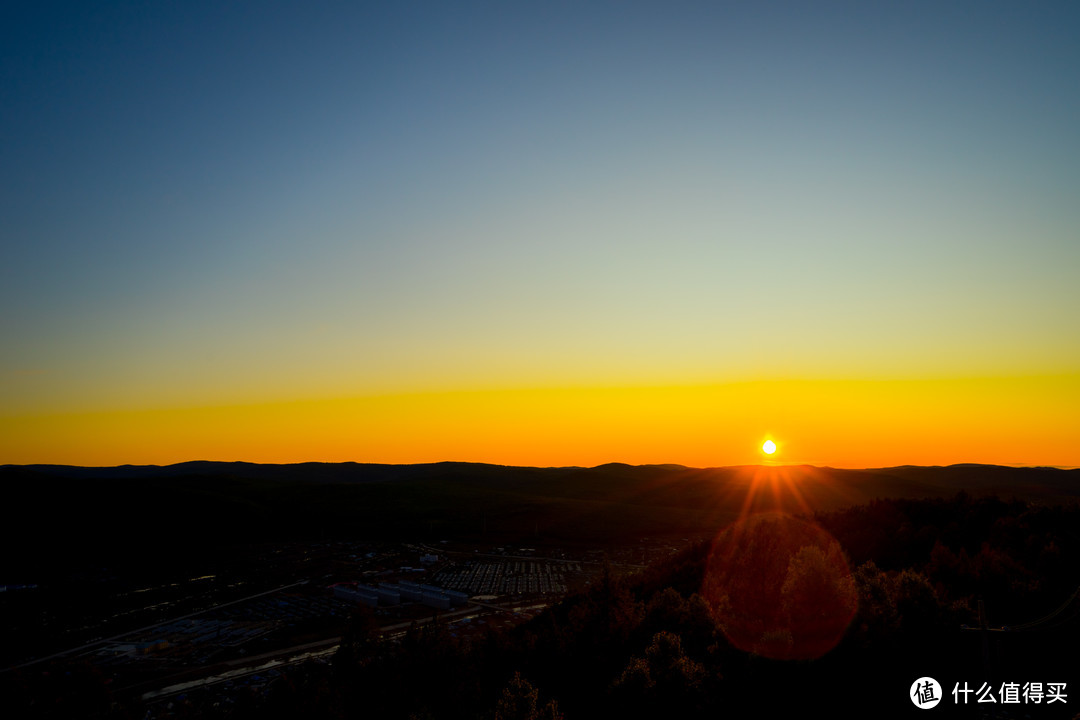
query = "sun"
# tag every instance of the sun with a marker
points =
(769, 447)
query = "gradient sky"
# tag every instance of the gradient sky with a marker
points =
(547, 233)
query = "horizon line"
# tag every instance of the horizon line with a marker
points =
(543, 467)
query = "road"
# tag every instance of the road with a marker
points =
(115, 638)
(242, 667)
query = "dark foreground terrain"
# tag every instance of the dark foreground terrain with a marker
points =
(615, 591)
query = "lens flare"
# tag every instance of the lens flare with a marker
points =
(780, 587)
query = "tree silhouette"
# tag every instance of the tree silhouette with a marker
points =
(519, 701)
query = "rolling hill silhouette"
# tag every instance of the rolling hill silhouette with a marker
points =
(61, 516)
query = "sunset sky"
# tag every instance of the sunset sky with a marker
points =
(540, 233)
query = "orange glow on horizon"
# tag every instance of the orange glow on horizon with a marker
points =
(1017, 421)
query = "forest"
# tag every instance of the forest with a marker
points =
(777, 614)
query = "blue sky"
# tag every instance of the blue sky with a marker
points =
(216, 202)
